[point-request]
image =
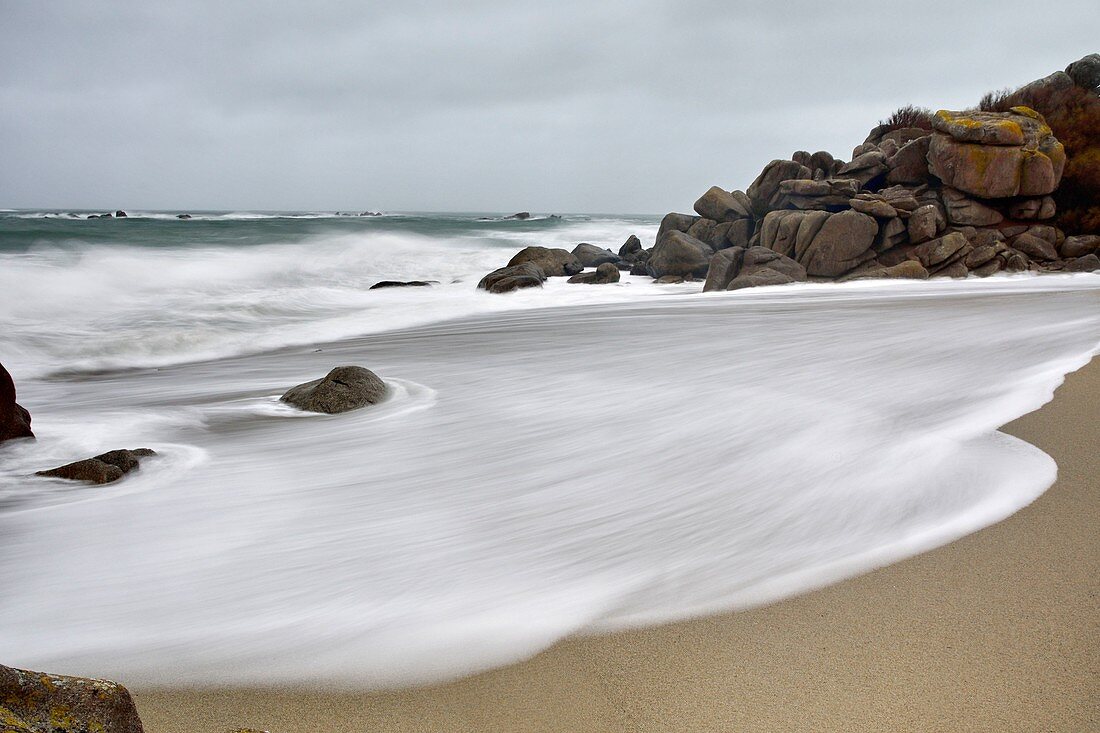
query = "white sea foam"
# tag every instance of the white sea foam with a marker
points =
(542, 471)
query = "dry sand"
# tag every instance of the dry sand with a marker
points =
(999, 631)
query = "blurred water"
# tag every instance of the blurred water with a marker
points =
(566, 461)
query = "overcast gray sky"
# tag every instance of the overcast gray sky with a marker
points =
(566, 105)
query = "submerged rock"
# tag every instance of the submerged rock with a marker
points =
(35, 702)
(15, 421)
(400, 284)
(102, 469)
(342, 389)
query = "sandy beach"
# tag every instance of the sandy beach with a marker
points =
(995, 632)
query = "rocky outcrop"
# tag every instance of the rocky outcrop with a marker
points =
(35, 702)
(1085, 72)
(15, 421)
(604, 274)
(995, 155)
(342, 389)
(507, 279)
(723, 206)
(105, 468)
(552, 262)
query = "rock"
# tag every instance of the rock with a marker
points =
(824, 194)
(961, 209)
(766, 185)
(183, 216)
(639, 268)
(15, 421)
(891, 233)
(604, 274)
(1086, 72)
(521, 215)
(981, 255)
(925, 223)
(36, 702)
(722, 206)
(940, 251)
(791, 232)
(680, 255)
(120, 214)
(630, 246)
(723, 267)
(1080, 246)
(704, 231)
(506, 279)
(342, 389)
(1035, 248)
(990, 268)
(589, 255)
(762, 266)
(906, 270)
(1014, 261)
(553, 262)
(670, 280)
(382, 284)
(956, 270)
(996, 155)
(102, 469)
(865, 167)
(910, 163)
(674, 223)
(735, 234)
(843, 242)
(1088, 263)
(1032, 208)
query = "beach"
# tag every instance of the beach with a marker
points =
(994, 632)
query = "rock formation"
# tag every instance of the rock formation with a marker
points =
(950, 194)
(603, 275)
(342, 389)
(34, 702)
(15, 422)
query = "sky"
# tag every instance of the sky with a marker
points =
(477, 105)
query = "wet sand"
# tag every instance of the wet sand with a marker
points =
(999, 631)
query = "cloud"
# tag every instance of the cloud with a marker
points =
(566, 106)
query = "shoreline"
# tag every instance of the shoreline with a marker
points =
(995, 631)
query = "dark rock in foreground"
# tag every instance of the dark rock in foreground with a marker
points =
(34, 702)
(603, 275)
(344, 388)
(102, 469)
(400, 284)
(506, 279)
(15, 421)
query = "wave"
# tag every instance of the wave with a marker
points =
(548, 471)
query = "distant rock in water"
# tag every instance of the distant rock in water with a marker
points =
(35, 702)
(120, 214)
(101, 216)
(344, 388)
(400, 284)
(371, 213)
(521, 215)
(183, 216)
(102, 469)
(15, 421)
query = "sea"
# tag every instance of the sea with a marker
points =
(553, 462)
